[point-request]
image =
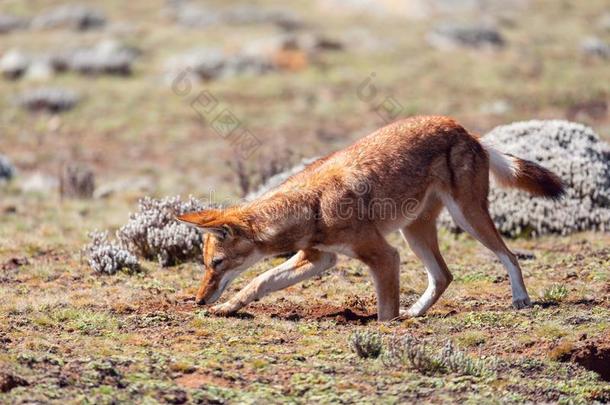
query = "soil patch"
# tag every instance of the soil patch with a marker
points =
(198, 380)
(592, 355)
(9, 381)
(316, 311)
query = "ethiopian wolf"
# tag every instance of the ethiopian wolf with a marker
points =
(397, 178)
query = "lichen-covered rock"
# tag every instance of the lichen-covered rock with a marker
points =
(577, 155)
(7, 170)
(451, 35)
(196, 16)
(14, 64)
(108, 257)
(107, 57)
(595, 47)
(153, 232)
(212, 63)
(48, 99)
(10, 23)
(74, 16)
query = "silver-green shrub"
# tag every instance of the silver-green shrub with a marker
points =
(577, 155)
(154, 234)
(366, 344)
(106, 257)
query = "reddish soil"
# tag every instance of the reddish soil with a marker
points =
(198, 380)
(592, 355)
(594, 358)
(316, 311)
(9, 381)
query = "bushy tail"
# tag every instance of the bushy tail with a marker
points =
(511, 171)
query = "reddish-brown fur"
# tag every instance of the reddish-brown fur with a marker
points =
(397, 178)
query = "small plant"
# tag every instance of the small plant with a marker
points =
(108, 257)
(406, 350)
(76, 181)
(460, 363)
(555, 293)
(367, 345)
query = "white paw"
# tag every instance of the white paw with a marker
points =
(224, 309)
(520, 303)
(407, 313)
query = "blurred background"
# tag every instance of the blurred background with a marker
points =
(165, 97)
(103, 103)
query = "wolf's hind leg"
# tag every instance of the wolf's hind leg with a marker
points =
(474, 218)
(303, 265)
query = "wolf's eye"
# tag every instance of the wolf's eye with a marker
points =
(216, 262)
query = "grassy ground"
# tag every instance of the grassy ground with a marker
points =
(73, 336)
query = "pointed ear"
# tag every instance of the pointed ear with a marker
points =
(213, 221)
(201, 219)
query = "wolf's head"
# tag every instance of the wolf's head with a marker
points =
(228, 250)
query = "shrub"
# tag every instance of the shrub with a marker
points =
(407, 351)
(107, 257)
(153, 232)
(366, 344)
(577, 155)
(76, 181)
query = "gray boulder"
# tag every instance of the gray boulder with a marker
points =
(451, 35)
(49, 99)
(78, 17)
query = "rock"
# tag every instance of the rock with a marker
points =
(212, 63)
(74, 16)
(76, 181)
(39, 183)
(419, 9)
(40, 70)
(50, 99)
(14, 64)
(451, 35)
(140, 185)
(7, 170)
(595, 47)
(10, 23)
(109, 57)
(191, 15)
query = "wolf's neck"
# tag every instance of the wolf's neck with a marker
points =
(282, 222)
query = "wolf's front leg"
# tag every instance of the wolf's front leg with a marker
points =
(303, 265)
